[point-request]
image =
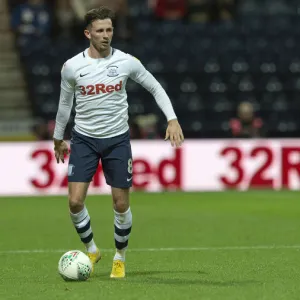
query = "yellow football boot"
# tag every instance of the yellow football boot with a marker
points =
(118, 269)
(94, 258)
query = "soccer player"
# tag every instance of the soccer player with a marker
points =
(97, 76)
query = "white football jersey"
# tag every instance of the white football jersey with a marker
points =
(101, 98)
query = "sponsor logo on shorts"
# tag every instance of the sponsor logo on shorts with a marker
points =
(71, 170)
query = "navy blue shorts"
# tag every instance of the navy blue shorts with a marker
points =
(114, 153)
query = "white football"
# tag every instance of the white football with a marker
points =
(74, 265)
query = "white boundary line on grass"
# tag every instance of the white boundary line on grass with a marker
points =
(195, 249)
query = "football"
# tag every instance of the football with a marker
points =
(74, 265)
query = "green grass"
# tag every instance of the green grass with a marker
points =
(211, 221)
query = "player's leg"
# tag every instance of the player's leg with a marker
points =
(79, 214)
(117, 167)
(122, 221)
(122, 229)
(83, 164)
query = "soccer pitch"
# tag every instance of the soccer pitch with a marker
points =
(217, 246)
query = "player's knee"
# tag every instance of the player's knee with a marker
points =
(120, 199)
(76, 203)
(120, 204)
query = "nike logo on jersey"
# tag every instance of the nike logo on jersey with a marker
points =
(82, 75)
(128, 179)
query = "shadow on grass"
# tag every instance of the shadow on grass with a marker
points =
(156, 272)
(167, 278)
(182, 281)
(142, 274)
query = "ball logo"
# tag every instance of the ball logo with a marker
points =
(84, 271)
(64, 262)
(74, 265)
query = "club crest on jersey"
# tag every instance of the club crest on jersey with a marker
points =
(112, 71)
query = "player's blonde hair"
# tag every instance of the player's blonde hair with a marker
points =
(100, 13)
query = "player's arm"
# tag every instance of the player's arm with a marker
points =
(64, 110)
(140, 75)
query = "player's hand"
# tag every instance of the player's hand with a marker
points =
(60, 149)
(174, 133)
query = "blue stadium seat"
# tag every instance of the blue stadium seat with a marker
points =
(206, 69)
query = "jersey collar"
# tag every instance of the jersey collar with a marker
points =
(86, 55)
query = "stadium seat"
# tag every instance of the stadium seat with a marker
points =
(206, 69)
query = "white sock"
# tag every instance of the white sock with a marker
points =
(123, 223)
(120, 255)
(91, 247)
(82, 224)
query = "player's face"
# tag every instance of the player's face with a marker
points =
(100, 34)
